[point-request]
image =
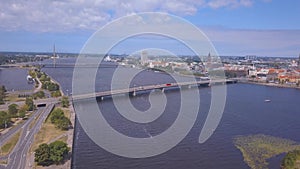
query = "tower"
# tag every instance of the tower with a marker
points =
(208, 62)
(144, 57)
(54, 56)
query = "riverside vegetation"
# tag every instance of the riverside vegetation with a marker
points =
(257, 149)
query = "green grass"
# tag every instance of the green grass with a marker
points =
(256, 149)
(48, 132)
(10, 144)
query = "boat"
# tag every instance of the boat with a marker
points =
(267, 100)
(29, 79)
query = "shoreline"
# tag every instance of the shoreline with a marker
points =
(70, 134)
(269, 84)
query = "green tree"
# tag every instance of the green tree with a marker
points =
(58, 151)
(55, 93)
(63, 123)
(2, 94)
(4, 119)
(21, 113)
(65, 101)
(56, 115)
(13, 110)
(32, 73)
(58, 118)
(29, 103)
(42, 155)
(39, 94)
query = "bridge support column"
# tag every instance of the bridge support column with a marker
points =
(134, 93)
(102, 98)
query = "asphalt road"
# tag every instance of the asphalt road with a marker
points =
(11, 132)
(17, 158)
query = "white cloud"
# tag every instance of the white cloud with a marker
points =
(70, 15)
(257, 42)
(230, 3)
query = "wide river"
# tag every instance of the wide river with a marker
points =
(246, 112)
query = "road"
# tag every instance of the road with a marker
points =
(150, 87)
(17, 158)
(14, 130)
(36, 102)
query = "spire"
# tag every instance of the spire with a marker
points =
(54, 56)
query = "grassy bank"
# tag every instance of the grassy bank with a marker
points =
(49, 133)
(10, 144)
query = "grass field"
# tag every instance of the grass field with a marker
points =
(48, 132)
(14, 97)
(11, 143)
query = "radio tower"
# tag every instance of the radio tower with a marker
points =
(54, 56)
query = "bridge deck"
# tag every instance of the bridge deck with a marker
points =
(150, 87)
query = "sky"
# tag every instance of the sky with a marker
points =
(235, 27)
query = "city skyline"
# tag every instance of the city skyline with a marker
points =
(235, 27)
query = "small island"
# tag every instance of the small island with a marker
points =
(257, 149)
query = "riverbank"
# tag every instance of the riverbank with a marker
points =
(66, 136)
(270, 84)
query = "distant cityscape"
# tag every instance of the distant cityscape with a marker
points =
(271, 70)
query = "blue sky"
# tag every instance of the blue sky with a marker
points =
(235, 27)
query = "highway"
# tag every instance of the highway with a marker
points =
(17, 158)
(14, 130)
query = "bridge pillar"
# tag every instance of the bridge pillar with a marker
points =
(102, 98)
(134, 93)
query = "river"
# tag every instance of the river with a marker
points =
(245, 113)
(15, 79)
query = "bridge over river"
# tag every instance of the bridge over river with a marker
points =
(134, 90)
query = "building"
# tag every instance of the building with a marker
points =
(144, 57)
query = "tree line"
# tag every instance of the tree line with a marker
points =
(2, 94)
(14, 111)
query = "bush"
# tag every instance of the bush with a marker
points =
(289, 161)
(39, 94)
(29, 103)
(65, 101)
(55, 94)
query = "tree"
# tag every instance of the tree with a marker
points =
(58, 151)
(29, 103)
(55, 93)
(58, 118)
(21, 113)
(2, 94)
(65, 101)
(63, 123)
(55, 152)
(39, 94)
(42, 155)
(13, 110)
(56, 115)
(4, 119)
